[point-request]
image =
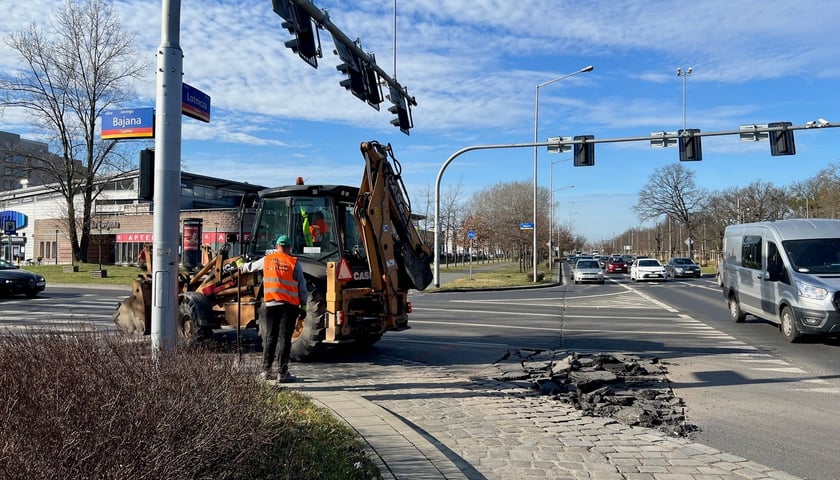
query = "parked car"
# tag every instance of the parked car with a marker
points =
(616, 265)
(647, 269)
(682, 267)
(588, 270)
(14, 281)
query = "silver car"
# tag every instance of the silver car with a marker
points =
(588, 270)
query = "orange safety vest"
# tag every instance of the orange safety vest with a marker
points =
(279, 284)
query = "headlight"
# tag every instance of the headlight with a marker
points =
(810, 291)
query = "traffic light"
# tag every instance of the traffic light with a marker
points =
(146, 178)
(781, 141)
(352, 67)
(584, 151)
(373, 93)
(299, 23)
(690, 148)
(401, 109)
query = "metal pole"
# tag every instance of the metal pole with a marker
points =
(551, 217)
(684, 75)
(167, 179)
(536, 127)
(536, 135)
(55, 253)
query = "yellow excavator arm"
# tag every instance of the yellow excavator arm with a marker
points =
(399, 259)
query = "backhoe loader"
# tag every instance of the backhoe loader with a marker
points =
(358, 248)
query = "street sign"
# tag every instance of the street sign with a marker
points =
(565, 147)
(128, 123)
(689, 242)
(9, 227)
(471, 234)
(195, 103)
(660, 140)
(753, 133)
(526, 226)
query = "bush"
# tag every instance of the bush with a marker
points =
(89, 406)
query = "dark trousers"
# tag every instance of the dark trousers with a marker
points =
(280, 324)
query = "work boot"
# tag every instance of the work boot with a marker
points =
(285, 377)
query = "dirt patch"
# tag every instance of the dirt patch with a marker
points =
(631, 389)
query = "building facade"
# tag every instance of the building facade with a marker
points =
(121, 223)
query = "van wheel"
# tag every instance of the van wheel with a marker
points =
(735, 312)
(719, 280)
(788, 326)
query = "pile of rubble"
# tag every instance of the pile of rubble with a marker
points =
(631, 389)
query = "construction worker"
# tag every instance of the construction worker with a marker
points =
(314, 229)
(284, 294)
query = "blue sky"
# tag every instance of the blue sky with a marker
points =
(473, 67)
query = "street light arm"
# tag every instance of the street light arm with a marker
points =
(582, 70)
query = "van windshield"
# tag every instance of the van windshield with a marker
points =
(814, 255)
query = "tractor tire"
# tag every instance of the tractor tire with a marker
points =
(194, 309)
(307, 339)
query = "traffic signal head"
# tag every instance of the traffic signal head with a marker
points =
(781, 141)
(401, 109)
(584, 151)
(299, 23)
(690, 148)
(146, 177)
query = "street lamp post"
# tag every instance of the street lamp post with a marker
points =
(536, 136)
(684, 75)
(551, 211)
(55, 248)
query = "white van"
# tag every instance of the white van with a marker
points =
(786, 271)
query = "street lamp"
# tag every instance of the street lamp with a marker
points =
(684, 75)
(551, 210)
(536, 136)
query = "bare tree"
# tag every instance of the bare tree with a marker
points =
(452, 216)
(501, 209)
(671, 192)
(69, 79)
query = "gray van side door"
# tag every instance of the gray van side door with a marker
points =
(751, 274)
(774, 278)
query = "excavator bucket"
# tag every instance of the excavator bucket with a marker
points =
(133, 315)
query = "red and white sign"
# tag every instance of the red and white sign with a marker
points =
(134, 237)
(344, 273)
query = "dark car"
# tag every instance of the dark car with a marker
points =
(682, 267)
(616, 265)
(14, 281)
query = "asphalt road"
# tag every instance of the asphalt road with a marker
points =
(751, 393)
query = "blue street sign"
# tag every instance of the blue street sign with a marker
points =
(195, 103)
(471, 234)
(526, 226)
(128, 123)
